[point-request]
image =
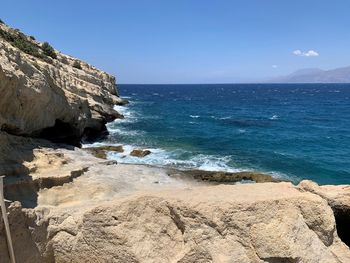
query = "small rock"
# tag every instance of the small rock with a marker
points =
(140, 153)
(110, 162)
(101, 152)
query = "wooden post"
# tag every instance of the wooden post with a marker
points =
(6, 222)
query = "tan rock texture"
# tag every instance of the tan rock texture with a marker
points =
(101, 151)
(140, 153)
(338, 198)
(269, 222)
(36, 95)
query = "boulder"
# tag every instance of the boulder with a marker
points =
(271, 222)
(338, 198)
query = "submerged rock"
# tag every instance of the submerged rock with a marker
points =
(101, 151)
(140, 153)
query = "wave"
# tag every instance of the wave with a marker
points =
(129, 115)
(121, 131)
(161, 157)
(122, 110)
(220, 118)
(172, 159)
(274, 117)
(194, 116)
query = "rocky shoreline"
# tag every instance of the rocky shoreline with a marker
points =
(69, 204)
(115, 212)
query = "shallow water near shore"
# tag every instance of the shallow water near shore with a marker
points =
(292, 131)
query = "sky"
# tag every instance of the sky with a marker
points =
(191, 41)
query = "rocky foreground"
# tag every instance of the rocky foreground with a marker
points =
(71, 205)
(100, 211)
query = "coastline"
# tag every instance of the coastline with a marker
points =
(66, 205)
(177, 215)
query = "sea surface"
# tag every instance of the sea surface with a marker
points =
(292, 131)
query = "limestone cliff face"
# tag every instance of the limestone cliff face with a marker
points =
(37, 93)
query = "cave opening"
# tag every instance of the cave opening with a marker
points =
(342, 219)
(61, 132)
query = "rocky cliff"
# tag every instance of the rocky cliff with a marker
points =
(52, 96)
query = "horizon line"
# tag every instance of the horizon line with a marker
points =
(234, 83)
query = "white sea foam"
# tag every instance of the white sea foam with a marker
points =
(129, 115)
(123, 110)
(194, 116)
(225, 118)
(160, 157)
(121, 131)
(274, 117)
(163, 158)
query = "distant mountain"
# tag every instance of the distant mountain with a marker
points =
(315, 75)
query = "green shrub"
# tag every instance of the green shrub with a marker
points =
(32, 38)
(1, 22)
(20, 41)
(76, 64)
(48, 50)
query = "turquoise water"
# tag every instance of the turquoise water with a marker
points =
(293, 131)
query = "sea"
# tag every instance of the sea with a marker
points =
(291, 131)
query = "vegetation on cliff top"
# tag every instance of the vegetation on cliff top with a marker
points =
(76, 64)
(21, 41)
(48, 50)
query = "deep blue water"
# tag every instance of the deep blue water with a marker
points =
(293, 131)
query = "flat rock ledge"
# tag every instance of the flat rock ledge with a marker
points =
(227, 177)
(109, 212)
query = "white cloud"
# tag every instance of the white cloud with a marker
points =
(297, 52)
(274, 66)
(310, 53)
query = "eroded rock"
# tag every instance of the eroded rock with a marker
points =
(229, 177)
(338, 198)
(140, 153)
(52, 99)
(101, 151)
(272, 222)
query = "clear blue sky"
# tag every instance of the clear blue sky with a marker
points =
(188, 41)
